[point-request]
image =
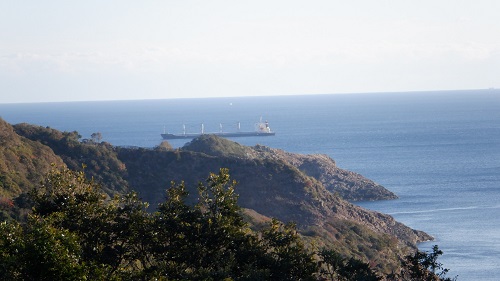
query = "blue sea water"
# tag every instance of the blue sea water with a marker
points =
(438, 151)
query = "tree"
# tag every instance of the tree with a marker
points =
(39, 251)
(208, 240)
(289, 258)
(356, 270)
(336, 267)
(424, 266)
(331, 263)
(110, 232)
(96, 137)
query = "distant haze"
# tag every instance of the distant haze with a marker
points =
(118, 50)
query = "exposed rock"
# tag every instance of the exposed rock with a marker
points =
(349, 185)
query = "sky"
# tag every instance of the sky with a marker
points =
(121, 49)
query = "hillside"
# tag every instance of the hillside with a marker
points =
(100, 160)
(272, 183)
(23, 162)
(349, 185)
(272, 188)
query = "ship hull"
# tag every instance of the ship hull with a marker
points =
(227, 135)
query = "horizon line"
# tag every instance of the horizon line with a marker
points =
(491, 89)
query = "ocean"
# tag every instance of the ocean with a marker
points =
(438, 151)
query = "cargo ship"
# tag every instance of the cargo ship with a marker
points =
(262, 129)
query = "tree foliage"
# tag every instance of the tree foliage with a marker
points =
(424, 266)
(39, 251)
(77, 232)
(96, 137)
(337, 267)
(99, 158)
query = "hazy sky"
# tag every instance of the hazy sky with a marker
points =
(105, 50)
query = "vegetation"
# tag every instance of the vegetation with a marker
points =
(99, 158)
(77, 232)
(110, 239)
(215, 146)
(164, 145)
(424, 266)
(22, 162)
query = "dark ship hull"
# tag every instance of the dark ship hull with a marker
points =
(261, 130)
(227, 135)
